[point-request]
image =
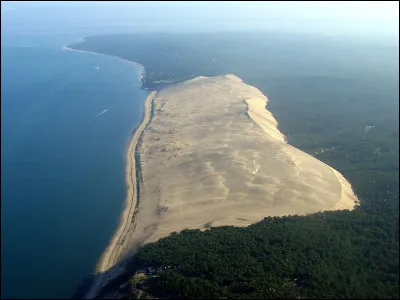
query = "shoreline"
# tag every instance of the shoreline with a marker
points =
(142, 69)
(119, 241)
(131, 196)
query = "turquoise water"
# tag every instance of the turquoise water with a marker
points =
(62, 162)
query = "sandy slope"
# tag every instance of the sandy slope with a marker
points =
(212, 156)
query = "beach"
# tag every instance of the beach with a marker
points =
(119, 241)
(117, 244)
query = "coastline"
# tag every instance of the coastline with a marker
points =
(119, 241)
(142, 69)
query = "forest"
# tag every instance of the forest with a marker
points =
(335, 98)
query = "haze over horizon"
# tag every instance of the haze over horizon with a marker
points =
(325, 17)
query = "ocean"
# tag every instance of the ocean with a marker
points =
(66, 119)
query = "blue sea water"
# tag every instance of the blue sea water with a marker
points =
(62, 162)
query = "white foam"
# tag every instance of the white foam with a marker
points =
(103, 112)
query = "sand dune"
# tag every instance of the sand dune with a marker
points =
(212, 155)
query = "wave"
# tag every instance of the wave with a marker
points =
(103, 112)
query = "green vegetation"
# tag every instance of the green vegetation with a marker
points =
(324, 92)
(325, 255)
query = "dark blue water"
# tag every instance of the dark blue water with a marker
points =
(62, 164)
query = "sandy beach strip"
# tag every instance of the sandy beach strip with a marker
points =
(120, 239)
(117, 243)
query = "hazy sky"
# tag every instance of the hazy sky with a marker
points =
(379, 17)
